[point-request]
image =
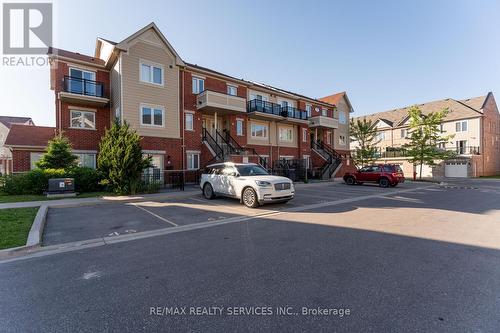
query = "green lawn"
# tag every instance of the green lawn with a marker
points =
(15, 224)
(4, 198)
(492, 177)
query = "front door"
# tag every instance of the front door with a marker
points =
(209, 125)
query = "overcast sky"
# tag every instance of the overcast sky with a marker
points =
(385, 54)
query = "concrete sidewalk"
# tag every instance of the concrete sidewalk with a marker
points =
(101, 200)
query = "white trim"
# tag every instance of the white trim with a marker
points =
(152, 64)
(198, 76)
(79, 151)
(259, 137)
(198, 79)
(242, 121)
(152, 107)
(81, 108)
(280, 128)
(193, 151)
(304, 137)
(89, 70)
(154, 152)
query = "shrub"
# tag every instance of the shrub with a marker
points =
(59, 155)
(37, 181)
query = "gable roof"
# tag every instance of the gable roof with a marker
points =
(458, 110)
(123, 44)
(335, 99)
(29, 136)
(8, 120)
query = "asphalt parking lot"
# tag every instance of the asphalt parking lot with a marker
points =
(72, 224)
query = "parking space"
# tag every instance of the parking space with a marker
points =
(71, 224)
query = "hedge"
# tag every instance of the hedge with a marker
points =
(36, 181)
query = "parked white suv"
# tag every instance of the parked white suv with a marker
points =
(245, 181)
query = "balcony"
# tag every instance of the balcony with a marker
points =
(82, 91)
(265, 109)
(322, 121)
(212, 101)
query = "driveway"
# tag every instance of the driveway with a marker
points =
(71, 224)
(423, 260)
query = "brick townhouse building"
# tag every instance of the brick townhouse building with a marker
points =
(472, 123)
(187, 115)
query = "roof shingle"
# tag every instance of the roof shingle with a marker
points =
(32, 136)
(8, 120)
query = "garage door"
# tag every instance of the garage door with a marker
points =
(455, 169)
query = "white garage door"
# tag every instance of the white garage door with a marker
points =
(426, 171)
(455, 169)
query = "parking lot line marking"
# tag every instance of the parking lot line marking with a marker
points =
(77, 246)
(155, 215)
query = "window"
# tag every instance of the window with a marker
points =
(151, 116)
(380, 136)
(308, 110)
(82, 119)
(35, 157)
(461, 146)
(239, 127)
(341, 139)
(198, 85)
(152, 73)
(307, 160)
(404, 132)
(193, 160)
(329, 137)
(86, 160)
(79, 84)
(441, 128)
(342, 117)
(304, 135)
(259, 131)
(286, 134)
(232, 90)
(461, 126)
(324, 112)
(189, 121)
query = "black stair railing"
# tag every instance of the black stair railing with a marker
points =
(219, 152)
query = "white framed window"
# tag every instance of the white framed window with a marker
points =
(286, 134)
(341, 139)
(307, 160)
(193, 160)
(189, 121)
(329, 137)
(404, 132)
(79, 82)
(82, 119)
(381, 136)
(304, 135)
(35, 157)
(152, 115)
(342, 117)
(461, 126)
(198, 84)
(239, 127)
(151, 73)
(324, 112)
(308, 110)
(232, 90)
(86, 160)
(259, 131)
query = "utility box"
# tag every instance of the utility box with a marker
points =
(61, 187)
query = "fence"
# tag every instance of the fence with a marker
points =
(158, 179)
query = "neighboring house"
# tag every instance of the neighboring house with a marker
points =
(5, 154)
(188, 115)
(474, 124)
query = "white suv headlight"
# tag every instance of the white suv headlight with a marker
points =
(262, 183)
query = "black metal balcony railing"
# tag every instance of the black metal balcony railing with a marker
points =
(256, 105)
(81, 86)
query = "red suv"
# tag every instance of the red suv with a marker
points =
(383, 174)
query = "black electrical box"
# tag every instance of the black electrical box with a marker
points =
(61, 185)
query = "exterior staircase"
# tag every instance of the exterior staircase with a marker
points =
(333, 161)
(223, 146)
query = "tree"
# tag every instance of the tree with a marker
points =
(59, 155)
(425, 137)
(121, 159)
(365, 133)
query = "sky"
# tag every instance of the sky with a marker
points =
(385, 54)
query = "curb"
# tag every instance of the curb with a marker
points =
(36, 231)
